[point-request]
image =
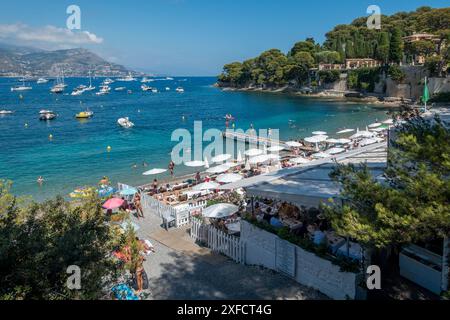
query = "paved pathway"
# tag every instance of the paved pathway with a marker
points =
(181, 270)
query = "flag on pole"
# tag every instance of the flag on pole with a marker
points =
(426, 94)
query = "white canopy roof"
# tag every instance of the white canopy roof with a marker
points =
(253, 152)
(346, 131)
(229, 178)
(319, 133)
(316, 139)
(293, 144)
(194, 164)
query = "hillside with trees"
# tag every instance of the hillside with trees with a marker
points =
(275, 69)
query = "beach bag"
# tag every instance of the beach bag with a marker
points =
(145, 282)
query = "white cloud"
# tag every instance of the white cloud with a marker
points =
(25, 34)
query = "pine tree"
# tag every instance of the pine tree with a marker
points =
(396, 46)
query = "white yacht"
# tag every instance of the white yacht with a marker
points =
(128, 78)
(167, 89)
(104, 90)
(154, 90)
(23, 87)
(125, 123)
(146, 80)
(108, 81)
(120, 89)
(5, 112)
(90, 88)
(59, 86)
(169, 78)
(144, 87)
(41, 81)
(180, 89)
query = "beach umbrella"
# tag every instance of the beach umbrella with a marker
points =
(221, 158)
(316, 139)
(362, 134)
(344, 141)
(319, 133)
(113, 203)
(375, 125)
(128, 192)
(321, 155)
(219, 169)
(346, 131)
(206, 186)
(229, 178)
(300, 160)
(332, 141)
(239, 157)
(335, 150)
(247, 166)
(273, 157)
(275, 149)
(206, 163)
(389, 121)
(253, 152)
(293, 144)
(221, 210)
(154, 172)
(259, 159)
(194, 164)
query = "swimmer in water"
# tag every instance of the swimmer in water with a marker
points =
(134, 166)
(40, 180)
(144, 164)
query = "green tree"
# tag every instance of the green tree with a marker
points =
(382, 48)
(303, 46)
(412, 205)
(328, 57)
(396, 73)
(396, 46)
(38, 242)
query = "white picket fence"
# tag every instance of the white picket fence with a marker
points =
(218, 241)
(151, 205)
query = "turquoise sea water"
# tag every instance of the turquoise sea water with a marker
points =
(78, 156)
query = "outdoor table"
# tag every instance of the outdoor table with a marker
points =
(334, 241)
(291, 223)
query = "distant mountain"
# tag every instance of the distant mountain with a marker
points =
(32, 62)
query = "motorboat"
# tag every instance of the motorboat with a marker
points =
(180, 89)
(154, 90)
(5, 112)
(120, 89)
(167, 89)
(47, 116)
(45, 111)
(169, 78)
(77, 92)
(125, 123)
(108, 81)
(146, 80)
(41, 81)
(84, 115)
(104, 90)
(128, 78)
(144, 87)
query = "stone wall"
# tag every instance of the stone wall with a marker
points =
(310, 270)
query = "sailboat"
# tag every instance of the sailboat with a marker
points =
(90, 88)
(41, 81)
(60, 85)
(23, 87)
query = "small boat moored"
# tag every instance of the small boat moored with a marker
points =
(5, 112)
(84, 115)
(125, 123)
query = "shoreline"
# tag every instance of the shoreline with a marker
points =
(326, 95)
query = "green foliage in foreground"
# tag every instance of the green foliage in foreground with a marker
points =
(412, 205)
(38, 242)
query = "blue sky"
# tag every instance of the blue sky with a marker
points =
(185, 37)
